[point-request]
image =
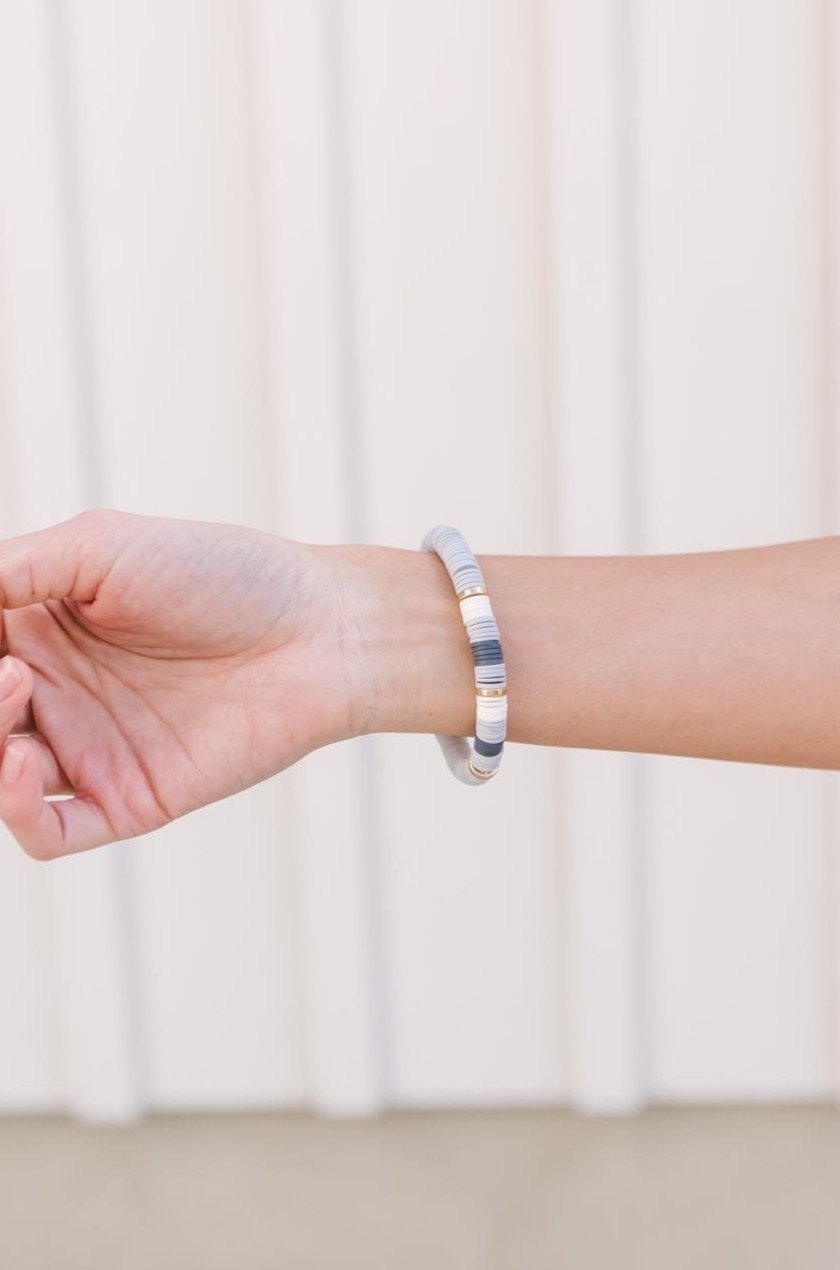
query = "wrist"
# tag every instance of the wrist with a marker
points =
(407, 665)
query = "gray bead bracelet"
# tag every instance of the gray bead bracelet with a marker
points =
(474, 763)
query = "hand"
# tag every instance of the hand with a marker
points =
(157, 665)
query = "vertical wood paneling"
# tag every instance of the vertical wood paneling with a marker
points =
(731, 166)
(310, 350)
(31, 1073)
(337, 269)
(596, 512)
(167, 190)
(92, 1036)
(442, 113)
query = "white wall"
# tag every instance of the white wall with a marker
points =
(328, 267)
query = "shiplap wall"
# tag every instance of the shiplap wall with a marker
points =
(327, 267)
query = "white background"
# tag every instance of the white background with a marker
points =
(563, 274)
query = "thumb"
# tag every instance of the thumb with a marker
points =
(69, 560)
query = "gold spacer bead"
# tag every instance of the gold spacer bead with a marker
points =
(484, 776)
(471, 590)
(491, 692)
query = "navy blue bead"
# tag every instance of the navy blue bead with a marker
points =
(488, 748)
(486, 652)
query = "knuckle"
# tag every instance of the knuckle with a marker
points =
(97, 518)
(39, 851)
(24, 679)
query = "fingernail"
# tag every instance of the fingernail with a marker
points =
(9, 677)
(12, 764)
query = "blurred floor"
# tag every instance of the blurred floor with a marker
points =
(472, 1190)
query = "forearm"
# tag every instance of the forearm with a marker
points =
(729, 655)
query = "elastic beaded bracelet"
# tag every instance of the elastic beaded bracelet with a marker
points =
(474, 763)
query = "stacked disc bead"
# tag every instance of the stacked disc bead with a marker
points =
(474, 763)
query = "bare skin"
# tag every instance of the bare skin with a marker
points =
(153, 666)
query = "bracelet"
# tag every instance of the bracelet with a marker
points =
(474, 763)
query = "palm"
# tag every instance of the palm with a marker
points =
(184, 678)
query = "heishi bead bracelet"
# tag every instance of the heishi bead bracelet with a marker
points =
(474, 763)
